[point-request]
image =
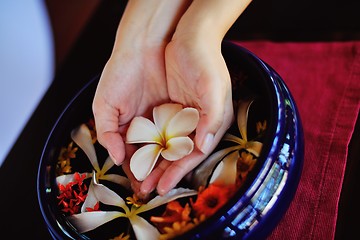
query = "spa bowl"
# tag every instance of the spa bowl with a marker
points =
(267, 168)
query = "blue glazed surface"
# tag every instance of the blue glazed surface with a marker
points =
(250, 214)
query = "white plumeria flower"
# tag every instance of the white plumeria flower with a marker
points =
(166, 136)
(82, 137)
(225, 171)
(87, 221)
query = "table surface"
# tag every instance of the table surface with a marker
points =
(285, 21)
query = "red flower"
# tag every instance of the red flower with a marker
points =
(72, 195)
(95, 208)
(212, 199)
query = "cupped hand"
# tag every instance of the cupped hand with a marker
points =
(197, 76)
(131, 84)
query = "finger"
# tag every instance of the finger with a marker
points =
(216, 115)
(151, 181)
(177, 170)
(135, 184)
(107, 128)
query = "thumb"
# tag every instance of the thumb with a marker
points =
(114, 144)
(215, 118)
(108, 131)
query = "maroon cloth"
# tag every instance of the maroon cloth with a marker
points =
(324, 79)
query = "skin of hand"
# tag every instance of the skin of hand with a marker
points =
(133, 80)
(147, 69)
(197, 76)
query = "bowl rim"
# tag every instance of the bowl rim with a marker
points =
(239, 199)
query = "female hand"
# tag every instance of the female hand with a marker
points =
(133, 80)
(197, 76)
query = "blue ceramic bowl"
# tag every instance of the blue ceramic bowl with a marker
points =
(256, 207)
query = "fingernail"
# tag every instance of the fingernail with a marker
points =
(114, 159)
(206, 143)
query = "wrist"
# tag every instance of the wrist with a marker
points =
(149, 24)
(210, 19)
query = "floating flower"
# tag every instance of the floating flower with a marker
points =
(177, 229)
(245, 164)
(83, 138)
(166, 136)
(87, 221)
(122, 236)
(212, 198)
(72, 195)
(174, 213)
(222, 165)
(63, 165)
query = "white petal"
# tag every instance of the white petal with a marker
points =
(88, 221)
(109, 163)
(142, 130)
(225, 172)
(177, 148)
(242, 116)
(82, 137)
(183, 123)
(232, 138)
(143, 160)
(116, 178)
(164, 113)
(254, 147)
(204, 170)
(108, 196)
(90, 199)
(143, 229)
(170, 196)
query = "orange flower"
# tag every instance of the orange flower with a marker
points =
(174, 212)
(92, 128)
(212, 199)
(63, 165)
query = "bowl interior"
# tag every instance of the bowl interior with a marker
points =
(250, 84)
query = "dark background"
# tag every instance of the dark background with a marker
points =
(84, 32)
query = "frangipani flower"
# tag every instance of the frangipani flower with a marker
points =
(82, 137)
(87, 221)
(166, 136)
(225, 160)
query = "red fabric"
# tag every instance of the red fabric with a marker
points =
(324, 79)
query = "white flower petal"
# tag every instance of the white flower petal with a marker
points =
(177, 148)
(232, 138)
(254, 147)
(109, 163)
(170, 196)
(142, 130)
(242, 116)
(90, 199)
(108, 196)
(204, 170)
(116, 178)
(225, 172)
(82, 137)
(164, 113)
(143, 229)
(88, 221)
(183, 123)
(143, 160)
